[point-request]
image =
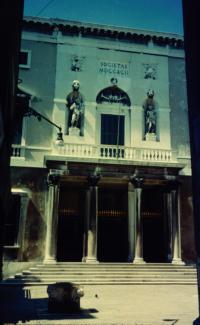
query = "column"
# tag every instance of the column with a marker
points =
(168, 216)
(52, 218)
(174, 223)
(86, 222)
(131, 222)
(138, 220)
(91, 220)
(176, 227)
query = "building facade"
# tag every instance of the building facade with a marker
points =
(117, 187)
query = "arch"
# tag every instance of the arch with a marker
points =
(113, 94)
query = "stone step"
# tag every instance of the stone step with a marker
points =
(100, 269)
(108, 265)
(106, 274)
(111, 273)
(103, 282)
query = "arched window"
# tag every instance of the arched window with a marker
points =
(113, 94)
(112, 114)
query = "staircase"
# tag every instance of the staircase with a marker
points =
(107, 274)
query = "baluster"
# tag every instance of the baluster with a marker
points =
(119, 153)
(126, 153)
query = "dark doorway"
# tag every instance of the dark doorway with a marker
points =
(112, 226)
(112, 129)
(70, 225)
(155, 230)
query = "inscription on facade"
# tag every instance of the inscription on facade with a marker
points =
(114, 68)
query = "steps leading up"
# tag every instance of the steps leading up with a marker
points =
(106, 273)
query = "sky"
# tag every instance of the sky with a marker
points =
(155, 15)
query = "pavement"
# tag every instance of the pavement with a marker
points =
(104, 305)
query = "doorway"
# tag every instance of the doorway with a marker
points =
(112, 226)
(70, 225)
(155, 226)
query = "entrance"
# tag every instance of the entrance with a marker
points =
(155, 226)
(112, 226)
(70, 225)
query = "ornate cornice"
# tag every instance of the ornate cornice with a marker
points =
(102, 31)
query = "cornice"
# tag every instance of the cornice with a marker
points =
(67, 27)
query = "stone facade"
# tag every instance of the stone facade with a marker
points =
(74, 184)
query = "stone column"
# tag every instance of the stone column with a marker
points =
(52, 218)
(91, 220)
(86, 222)
(131, 222)
(174, 214)
(138, 220)
(176, 227)
(168, 216)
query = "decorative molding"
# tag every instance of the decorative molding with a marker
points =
(77, 63)
(150, 71)
(93, 179)
(137, 181)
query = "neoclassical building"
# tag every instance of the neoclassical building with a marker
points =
(100, 156)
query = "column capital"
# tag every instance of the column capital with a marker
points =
(53, 179)
(93, 179)
(173, 185)
(137, 181)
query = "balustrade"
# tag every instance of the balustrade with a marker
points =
(114, 152)
(105, 152)
(17, 151)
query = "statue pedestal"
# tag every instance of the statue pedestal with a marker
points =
(150, 137)
(74, 131)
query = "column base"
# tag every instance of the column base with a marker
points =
(177, 261)
(49, 260)
(91, 260)
(138, 260)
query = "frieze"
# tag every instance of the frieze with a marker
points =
(77, 63)
(149, 71)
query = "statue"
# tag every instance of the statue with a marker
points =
(149, 106)
(75, 109)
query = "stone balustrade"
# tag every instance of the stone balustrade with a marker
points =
(102, 151)
(17, 151)
(113, 152)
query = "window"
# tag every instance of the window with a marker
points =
(25, 59)
(112, 134)
(112, 129)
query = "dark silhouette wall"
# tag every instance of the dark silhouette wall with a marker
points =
(11, 13)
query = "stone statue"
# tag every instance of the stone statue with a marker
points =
(150, 117)
(75, 109)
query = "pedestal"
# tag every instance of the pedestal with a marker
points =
(151, 137)
(74, 131)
